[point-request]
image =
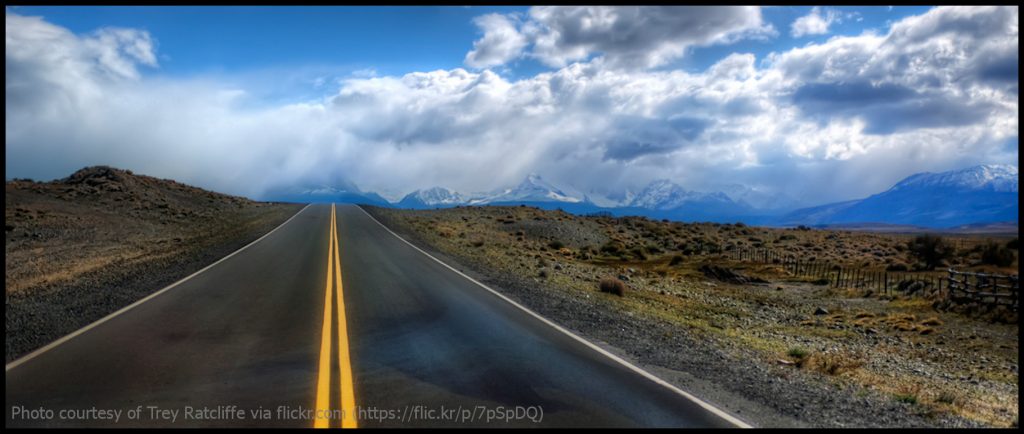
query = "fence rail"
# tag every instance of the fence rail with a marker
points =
(990, 289)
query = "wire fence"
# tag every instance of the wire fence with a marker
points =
(956, 286)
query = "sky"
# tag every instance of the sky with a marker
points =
(818, 104)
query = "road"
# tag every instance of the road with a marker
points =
(332, 311)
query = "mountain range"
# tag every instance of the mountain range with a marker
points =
(979, 194)
(975, 195)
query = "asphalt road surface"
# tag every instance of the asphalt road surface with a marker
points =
(332, 320)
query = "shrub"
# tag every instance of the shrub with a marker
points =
(676, 260)
(930, 249)
(556, 244)
(611, 248)
(612, 285)
(898, 266)
(478, 243)
(996, 254)
(1012, 244)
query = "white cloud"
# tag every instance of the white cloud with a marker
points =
(627, 36)
(501, 42)
(939, 91)
(813, 23)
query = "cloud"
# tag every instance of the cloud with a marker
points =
(833, 120)
(813, 23)
(631, 137)
(501, 42)
(628, 37)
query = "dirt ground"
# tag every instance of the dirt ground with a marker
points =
(889, 360)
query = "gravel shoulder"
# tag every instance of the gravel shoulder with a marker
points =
(724, 343)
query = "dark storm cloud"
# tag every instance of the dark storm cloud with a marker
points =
(633, 137)
(887, 108)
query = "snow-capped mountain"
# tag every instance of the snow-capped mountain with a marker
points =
(663, 194)
(664, 199)
(758, 198)
(341, 191)
(436, 197)
(532, 189)
(990, 177)
(979, 194)
(975, 195)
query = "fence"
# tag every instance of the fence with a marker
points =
(838, 276)
(987, 289)
(990, 290)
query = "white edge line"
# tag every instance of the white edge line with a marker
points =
(68, 337)
(707, 406)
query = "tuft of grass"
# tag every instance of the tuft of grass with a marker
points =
(797, 352)
(832, 363)
(947, 397)
(612, 285)
(908, 398)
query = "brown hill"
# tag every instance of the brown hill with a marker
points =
(103, 237)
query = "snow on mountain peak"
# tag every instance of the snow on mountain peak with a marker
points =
(662, 194)
(438, 196)
(993, 177)
(535, 188)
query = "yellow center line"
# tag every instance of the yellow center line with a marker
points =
(348, 399)
(323, 387)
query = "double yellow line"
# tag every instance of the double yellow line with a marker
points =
(323, 386)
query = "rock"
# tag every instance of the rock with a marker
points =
(821, 311)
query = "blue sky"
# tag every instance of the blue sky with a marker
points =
(389, 40)
(815, 104)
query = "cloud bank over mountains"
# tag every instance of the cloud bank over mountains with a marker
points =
(826, 121)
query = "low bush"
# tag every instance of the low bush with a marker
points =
(611, 248)
(997, 254)
(897, 266)
(612, 285)
(930, 249)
